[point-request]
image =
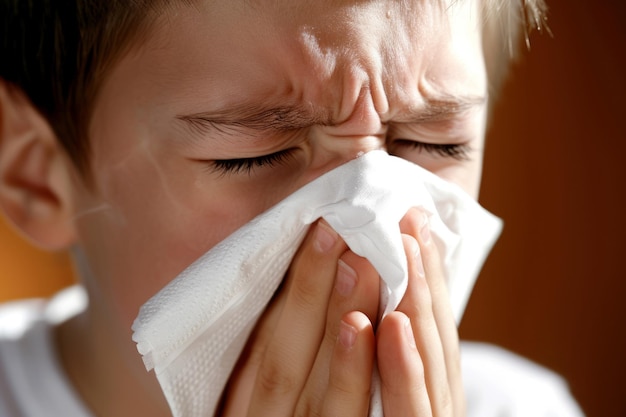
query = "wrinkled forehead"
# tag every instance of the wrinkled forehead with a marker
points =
(351, 26)
(322, 52)
(363, 31)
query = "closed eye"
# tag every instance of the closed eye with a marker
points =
(458, 151)
(247, 165)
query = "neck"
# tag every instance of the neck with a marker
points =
(106, 369)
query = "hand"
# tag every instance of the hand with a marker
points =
(302, 358)
(313, 351)
(418, 347)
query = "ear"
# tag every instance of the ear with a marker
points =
(35, 173)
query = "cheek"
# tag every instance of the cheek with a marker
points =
(151, 224)
(466, 175)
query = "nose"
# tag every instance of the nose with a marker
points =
(333, 145)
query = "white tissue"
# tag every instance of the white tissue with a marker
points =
(192, 332)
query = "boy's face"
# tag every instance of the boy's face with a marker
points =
(311, 83)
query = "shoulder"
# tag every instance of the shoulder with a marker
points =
(32, 382)
(503, 384)
(18, 317)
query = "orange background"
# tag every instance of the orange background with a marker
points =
(26, 271)
(554, 287)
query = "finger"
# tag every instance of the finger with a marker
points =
(356, 289)
(238, 392)
(417, 305)
(416, 224)
(297, 335)
(348, 392)
(404, 389)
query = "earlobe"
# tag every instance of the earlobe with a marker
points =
(35, 179)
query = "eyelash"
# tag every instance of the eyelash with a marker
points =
(459, 151)
(246, 165)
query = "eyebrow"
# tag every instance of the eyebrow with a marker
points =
(439, 108)
(286, 118)
(280, 118)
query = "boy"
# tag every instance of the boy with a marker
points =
(142, 134)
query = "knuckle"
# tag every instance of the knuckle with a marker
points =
(274, 381)
(331, 333)
(307, 293)
(421, 285)
(306, 409)
(445, 406)
(423, 305)
(354, 387)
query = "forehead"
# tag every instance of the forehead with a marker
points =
(316, 52)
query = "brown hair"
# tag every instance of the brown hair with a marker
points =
(58, 51)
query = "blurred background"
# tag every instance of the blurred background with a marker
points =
(554, 287)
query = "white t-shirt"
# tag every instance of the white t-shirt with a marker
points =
(33, 383)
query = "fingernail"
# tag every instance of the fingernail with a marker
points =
(346, 278)
(347, 335)
(418, 261)
(424, 229)
(325, 237)
(409, 333)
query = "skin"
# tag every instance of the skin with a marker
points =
(348, 77)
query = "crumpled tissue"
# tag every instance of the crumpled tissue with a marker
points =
(193, 331)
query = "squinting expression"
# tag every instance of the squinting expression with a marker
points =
(228, 107)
